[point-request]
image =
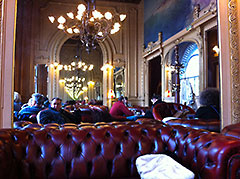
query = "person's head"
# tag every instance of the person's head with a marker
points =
(17, 97)
(37, 99)
(155, 98)
(125, 99)
(56, 103)
(30, 102)
(120, 98)
(209, 96)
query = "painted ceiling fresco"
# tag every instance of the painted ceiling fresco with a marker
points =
(168, 17)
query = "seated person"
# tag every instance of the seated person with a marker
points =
(209, 101)
(33, 109)
(119, 109)
(17, 103)
(156, 99)
(125, 101)
(55, 114)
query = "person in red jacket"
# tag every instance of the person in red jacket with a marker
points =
(119, 109)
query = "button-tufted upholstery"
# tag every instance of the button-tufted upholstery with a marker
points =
(232, 130)
(163, 110)
(207, 124)
(109, 150)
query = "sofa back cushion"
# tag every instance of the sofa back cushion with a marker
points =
(163, 110)
(109, 150)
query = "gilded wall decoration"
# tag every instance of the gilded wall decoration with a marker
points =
(235, 65)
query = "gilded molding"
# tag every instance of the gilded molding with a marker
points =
(235, 65)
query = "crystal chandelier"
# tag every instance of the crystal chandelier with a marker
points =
(88, 24)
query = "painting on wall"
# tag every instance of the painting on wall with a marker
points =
(168, 17)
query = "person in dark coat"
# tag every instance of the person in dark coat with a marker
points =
(55, 114)
(156, 99)
(33, 109)
(209, 101)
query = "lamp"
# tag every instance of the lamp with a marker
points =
(88, 24)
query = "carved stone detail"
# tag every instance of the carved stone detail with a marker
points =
(235, 65)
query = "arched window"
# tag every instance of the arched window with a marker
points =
(189, 77)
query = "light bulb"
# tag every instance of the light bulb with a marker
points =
(51, 18)
(81, 8)
(60, 26)
(79, 16)
(69, 30)
(97, 15)
(108, 15)
(61, 20)
(123, 17)
(70, 15)
(100, 34)
(76, 31)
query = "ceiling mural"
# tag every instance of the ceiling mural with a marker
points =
(168, 16)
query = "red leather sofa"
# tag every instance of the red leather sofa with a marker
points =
(232, 130)
(160, 111)
(212, 125)
(109, 150)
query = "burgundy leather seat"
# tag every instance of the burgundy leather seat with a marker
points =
(109, 150)
(232, 130)
(207, 124)
(163, 110)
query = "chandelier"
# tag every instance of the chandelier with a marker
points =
(88, 24)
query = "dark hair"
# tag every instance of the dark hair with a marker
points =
(126, 98)
(120, 98)
(209, 96)
(39, 98)
(57, 99)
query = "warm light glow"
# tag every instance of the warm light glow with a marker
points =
(61, 20)
(85, 88)
(81, 8)
(60, 26)
(69, 30)
(73, 63)
(51, 18)
(123, 17)
(90, 67)
(108, 15)
(89, 24)
(76, 31)
(168, 93)
(106, 67)
(55, 64)
(61, 81)
(91, 83)
(60, 67)
(97, 15)
(216, 50)
(79, 16)
(111, 94)
(71, 15)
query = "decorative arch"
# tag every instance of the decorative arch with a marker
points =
(55, 44)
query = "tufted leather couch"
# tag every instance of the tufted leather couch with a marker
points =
(163, 110)
(109, 150)
(160, 111)
(232, 130)
(207, 124)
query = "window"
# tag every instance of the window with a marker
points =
(189, 77)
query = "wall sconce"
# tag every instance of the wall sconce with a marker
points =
(106, 67)
(216, 50)
(168, 93)
(91, 83)
(56, 66)
(111, 94)
(85, 88)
